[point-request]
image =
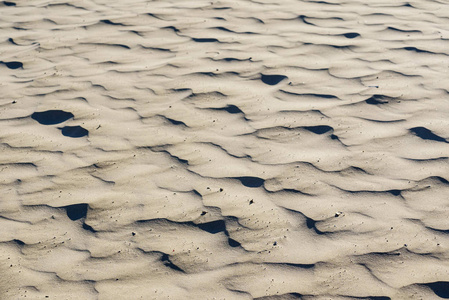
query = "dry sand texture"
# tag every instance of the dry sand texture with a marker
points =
(224, 149)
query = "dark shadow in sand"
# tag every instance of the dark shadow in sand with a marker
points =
(88, 228)
(13, 64)
(167, 262)
(351, 35)
(376, 99)
(213, 227)
(272, 79)
(51, 117)
(232, 109)
(426, 134)
(205, 40)
(440, 288)
(321, 129)
(252, 182)
(76, 211)
(233, 243)
(74, 131)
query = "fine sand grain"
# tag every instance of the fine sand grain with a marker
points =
(224, 149)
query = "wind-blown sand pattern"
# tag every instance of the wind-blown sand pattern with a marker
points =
(224, 149)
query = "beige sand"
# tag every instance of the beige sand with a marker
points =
(224, 149)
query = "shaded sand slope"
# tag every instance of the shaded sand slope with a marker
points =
(224, 149)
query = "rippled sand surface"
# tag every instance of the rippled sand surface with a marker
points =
(224, 149)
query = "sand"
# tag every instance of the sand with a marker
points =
(224, 149)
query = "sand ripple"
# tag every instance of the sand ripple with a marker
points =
(224, 149)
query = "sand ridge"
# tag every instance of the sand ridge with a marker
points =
(224, 149)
